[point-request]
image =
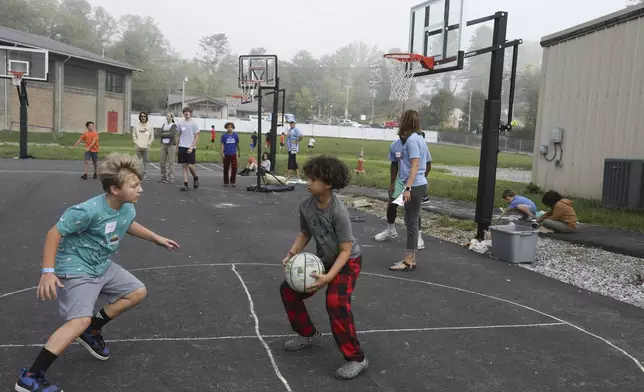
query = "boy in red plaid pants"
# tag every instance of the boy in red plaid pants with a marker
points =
(324, 218)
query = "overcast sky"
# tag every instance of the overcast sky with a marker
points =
(285, 26)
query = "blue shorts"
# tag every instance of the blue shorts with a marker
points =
(91, 156)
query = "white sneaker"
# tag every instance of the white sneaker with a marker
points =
(421, 243)
(386, 235)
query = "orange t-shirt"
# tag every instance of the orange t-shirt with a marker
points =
(282, 139)
(89, 137)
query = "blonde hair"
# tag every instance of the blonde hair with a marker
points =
(116, 167)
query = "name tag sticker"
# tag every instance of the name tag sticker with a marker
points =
(110, 227)
(398, 154)
(166, 140)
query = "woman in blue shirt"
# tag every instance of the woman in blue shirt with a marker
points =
(411, 182)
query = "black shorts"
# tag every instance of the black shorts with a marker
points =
(292, 161)
(184, 157)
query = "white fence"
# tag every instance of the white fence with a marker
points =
(307, 129)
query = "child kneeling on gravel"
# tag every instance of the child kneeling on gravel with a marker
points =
(562, 217)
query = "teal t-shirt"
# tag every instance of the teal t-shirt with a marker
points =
(92, 231)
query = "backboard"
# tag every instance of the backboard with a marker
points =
(257, 69)
(33, 62)
(430, 33)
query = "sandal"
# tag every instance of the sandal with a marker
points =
(403, 266)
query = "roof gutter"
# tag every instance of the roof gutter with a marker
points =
(602, 23)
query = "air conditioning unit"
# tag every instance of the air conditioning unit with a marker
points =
(623, 184)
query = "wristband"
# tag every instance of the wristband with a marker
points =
(47, 270)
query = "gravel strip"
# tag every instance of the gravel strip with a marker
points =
(592, 269)
(502, 173)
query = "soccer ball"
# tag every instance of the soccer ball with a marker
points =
(299, 268)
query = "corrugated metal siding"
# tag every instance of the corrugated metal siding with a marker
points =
(593, 88)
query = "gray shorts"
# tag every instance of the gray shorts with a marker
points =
(78, 297)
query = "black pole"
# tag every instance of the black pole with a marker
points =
(490, 138)
(273, 135)
(24, 103)
(513, 81)
(259, 137)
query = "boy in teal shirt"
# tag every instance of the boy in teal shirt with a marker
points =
(77, 269)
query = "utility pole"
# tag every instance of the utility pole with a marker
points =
(346, 106)
(469, 115)
(183, 93)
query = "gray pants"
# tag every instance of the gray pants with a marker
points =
(167, 162)
(557, 226)
(412, 215)
(143, 155)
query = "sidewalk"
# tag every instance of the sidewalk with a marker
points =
(613, 240)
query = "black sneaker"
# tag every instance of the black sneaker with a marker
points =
(94, 343)
(95, 176)
(84, 176)
(425, 199)
(185, 188)
(196, 182)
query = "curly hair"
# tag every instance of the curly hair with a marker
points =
(227, 124)
(115, 169)
(551, 198)
(329, 170)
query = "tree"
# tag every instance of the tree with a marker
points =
(439, 109)
(477, 110)
(304, 102)
(528, 82)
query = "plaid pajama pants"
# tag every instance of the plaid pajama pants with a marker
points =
(338, 306)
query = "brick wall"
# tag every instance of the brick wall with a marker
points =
(40, 113)
(79, 106)
(114, 103)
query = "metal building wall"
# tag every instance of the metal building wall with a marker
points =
(593, 87)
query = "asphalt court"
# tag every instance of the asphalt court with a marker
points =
(213, 319)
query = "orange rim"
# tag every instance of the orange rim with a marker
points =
(427, 62)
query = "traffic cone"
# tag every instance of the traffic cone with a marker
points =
(360, 166)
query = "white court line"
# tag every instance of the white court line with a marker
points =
(280, 336)
(637, 363)
(157, 167)
(259, 335)
(204, 167)
(217, 166)
(17, 292)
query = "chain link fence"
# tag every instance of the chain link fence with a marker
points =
(519, 146)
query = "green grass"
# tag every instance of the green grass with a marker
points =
(376, 165)
(348, 149)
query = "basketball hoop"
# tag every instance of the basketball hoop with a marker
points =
(402, 67)
(248, 88)
(16, 77)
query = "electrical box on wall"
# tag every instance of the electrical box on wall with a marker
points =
(556, 135)
(543, 149)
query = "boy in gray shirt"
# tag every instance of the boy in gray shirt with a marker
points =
(325, 219)
(188, 130)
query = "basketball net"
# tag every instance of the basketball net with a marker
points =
(248, 91)
(16, 77)
(233, 102)
(402, 67)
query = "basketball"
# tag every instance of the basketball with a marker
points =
(299, 268)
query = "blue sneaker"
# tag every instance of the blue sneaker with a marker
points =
(35, 382)
(94, 343)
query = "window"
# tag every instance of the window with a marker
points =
(114, 83)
